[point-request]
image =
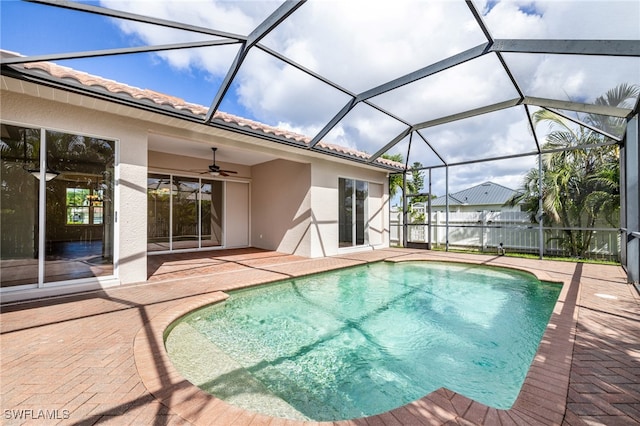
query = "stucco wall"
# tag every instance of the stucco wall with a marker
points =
(324, 205)
(280, 206)
(289, 206)
(237, 214)
(131, 173)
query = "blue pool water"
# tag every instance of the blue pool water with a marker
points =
(365, 340)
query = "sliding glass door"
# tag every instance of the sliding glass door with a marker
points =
(57, 207)
(158, 212)
(186, 213)
(211, 213)
(19, 214)
(183, 213)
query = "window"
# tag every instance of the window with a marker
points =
(84, 206)
(352, 210)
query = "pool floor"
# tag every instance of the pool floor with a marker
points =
(364, 340)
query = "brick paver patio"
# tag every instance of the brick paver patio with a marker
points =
(98, 358)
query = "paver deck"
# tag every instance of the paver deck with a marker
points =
(98, 357)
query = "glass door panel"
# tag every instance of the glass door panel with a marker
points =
(185, 213)
(79, 207)
(19, 206)
(158, 212)
(352, 212)
(362, 192)
(345, 212)
(211, 211)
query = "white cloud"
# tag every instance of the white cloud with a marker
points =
(360, 44)
(277, 92)
(578, 78)
(238, 17)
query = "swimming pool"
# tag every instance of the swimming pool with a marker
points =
(365, 340)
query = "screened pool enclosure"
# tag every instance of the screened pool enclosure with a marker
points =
(540, 96)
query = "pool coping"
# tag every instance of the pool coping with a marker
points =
(542, 398)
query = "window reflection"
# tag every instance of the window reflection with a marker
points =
(211, 207)
(158, 212)
(352, 212)
(75, 238)
(79, 205)
(183, 213)
(19, 218)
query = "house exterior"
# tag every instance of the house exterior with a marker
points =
(128, 182)
(480, 204)
(487, 196)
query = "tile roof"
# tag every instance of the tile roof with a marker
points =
(161, 99)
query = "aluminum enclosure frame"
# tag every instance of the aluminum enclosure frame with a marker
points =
(630, 155)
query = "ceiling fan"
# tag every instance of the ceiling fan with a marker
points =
(214, 169)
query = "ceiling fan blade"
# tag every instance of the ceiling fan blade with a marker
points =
(228, 171)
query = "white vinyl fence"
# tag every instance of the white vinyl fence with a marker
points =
(487, 230)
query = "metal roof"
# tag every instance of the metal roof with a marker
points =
(487, 193)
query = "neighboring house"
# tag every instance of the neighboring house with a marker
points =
(487, 196)
(91, 186)
(484, 203)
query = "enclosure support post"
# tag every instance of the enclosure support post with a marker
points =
(404, 209)
(446, 210)
(429, 214)
(630, 201)
(540, 214)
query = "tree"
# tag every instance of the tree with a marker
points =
(579, 185)
(416, 184)
(395, 180)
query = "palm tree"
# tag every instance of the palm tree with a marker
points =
(579, 186)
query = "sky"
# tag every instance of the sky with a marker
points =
(358, 44)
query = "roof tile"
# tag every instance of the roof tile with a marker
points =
(89, 80)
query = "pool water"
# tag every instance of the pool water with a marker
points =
(364, 340)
